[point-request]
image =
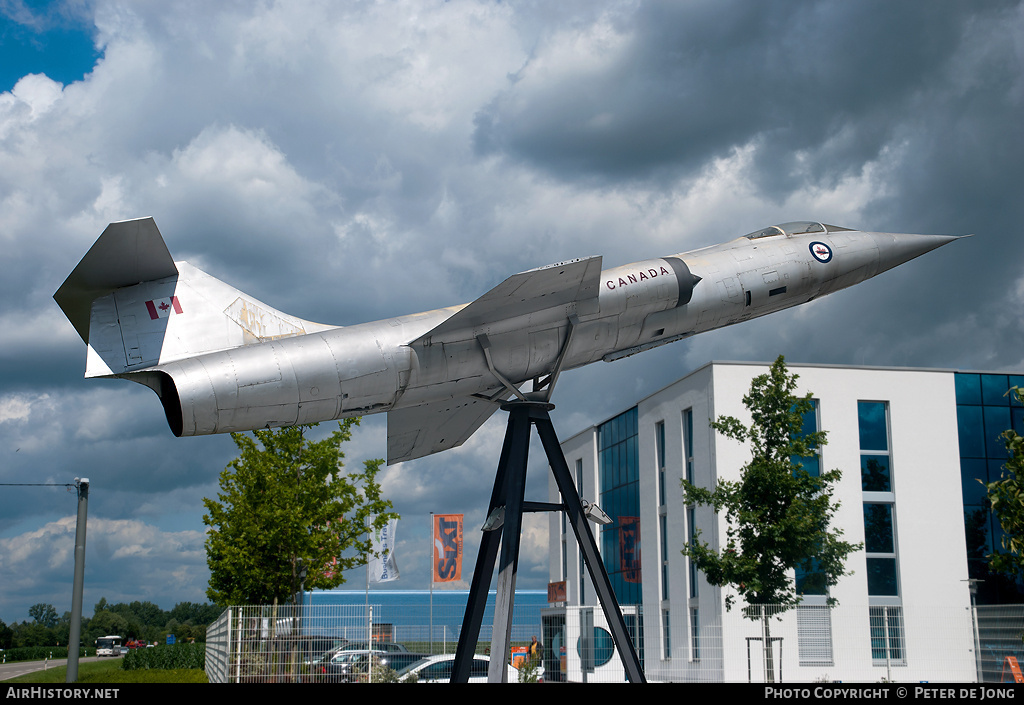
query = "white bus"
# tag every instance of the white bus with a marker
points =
(108, 646)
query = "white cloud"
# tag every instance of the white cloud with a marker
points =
(36, 91)
(16, 407)
(125, 559)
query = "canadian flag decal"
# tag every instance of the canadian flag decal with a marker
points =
(162, 308)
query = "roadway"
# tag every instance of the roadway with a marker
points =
(20, 668)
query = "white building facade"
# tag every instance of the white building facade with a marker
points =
(904, 611)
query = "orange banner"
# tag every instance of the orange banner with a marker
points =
(447, 564)
(629, 548)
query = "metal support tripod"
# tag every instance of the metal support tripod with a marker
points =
(508, 493)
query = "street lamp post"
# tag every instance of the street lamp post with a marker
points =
(75, 639)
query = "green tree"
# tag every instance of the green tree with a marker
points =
(779, 516)
(6, 636)
(1006, 495)
(44, 614)
(104, 623)
(285, 504)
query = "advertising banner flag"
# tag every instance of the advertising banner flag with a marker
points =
(629, 548)
(447, 563)
(384, 568)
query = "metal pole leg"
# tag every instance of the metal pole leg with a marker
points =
(504, 603)
(485, 560)
(574, 508)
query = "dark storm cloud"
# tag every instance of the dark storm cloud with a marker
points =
(819, 87)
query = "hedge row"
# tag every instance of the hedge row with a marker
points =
(166, 657)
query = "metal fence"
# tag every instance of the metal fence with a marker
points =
(846, 643)
(288, 643)
(896, 643)
(1001, 642)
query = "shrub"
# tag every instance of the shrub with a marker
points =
(173, 656)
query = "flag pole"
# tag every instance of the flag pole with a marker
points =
(369, 635)
(430, 566)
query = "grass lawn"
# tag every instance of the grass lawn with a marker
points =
(101, 672)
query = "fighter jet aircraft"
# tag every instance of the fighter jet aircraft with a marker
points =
(222, 361)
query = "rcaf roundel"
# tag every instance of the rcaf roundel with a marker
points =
(821, 251)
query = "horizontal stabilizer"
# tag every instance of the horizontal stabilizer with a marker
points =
(562, 284)
(416, 431)
(128, 252)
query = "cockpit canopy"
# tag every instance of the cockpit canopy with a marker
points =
(797, 227)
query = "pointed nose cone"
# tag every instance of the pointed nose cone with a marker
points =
(896, 248)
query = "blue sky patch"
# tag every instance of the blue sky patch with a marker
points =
(62, 49)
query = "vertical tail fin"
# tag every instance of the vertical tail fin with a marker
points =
(128, 252)
(136, 308)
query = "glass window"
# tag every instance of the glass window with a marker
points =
(968, 388)
(691, 531)
(659, 451)
(878, 536)
(619, 478)
(882, 577)
(1015, 381)
(770, 231)
(984, 411)
(879, 514)
(694, 635)
(659, 443)
(971, 431)
(666, 634)
(997, 420)
(971, 471)
(688, 443)
(996, 469)
(874, 431)
(811, 464)
(874, 473)
(802, 227)
(993, 390)
(810, 580)
(604, 646)
(663, 540)
(880, 546)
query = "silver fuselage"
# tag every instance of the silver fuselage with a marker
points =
(393, 363)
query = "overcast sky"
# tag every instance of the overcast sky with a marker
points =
(346, 162)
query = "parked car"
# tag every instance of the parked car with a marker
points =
(438, 669)
(387, 646)
(317, 649)
(390, 646)
(353, 665)
(337, 668)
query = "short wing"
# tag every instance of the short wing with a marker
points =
(572, 284)
(416, 431)
(556, 292)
